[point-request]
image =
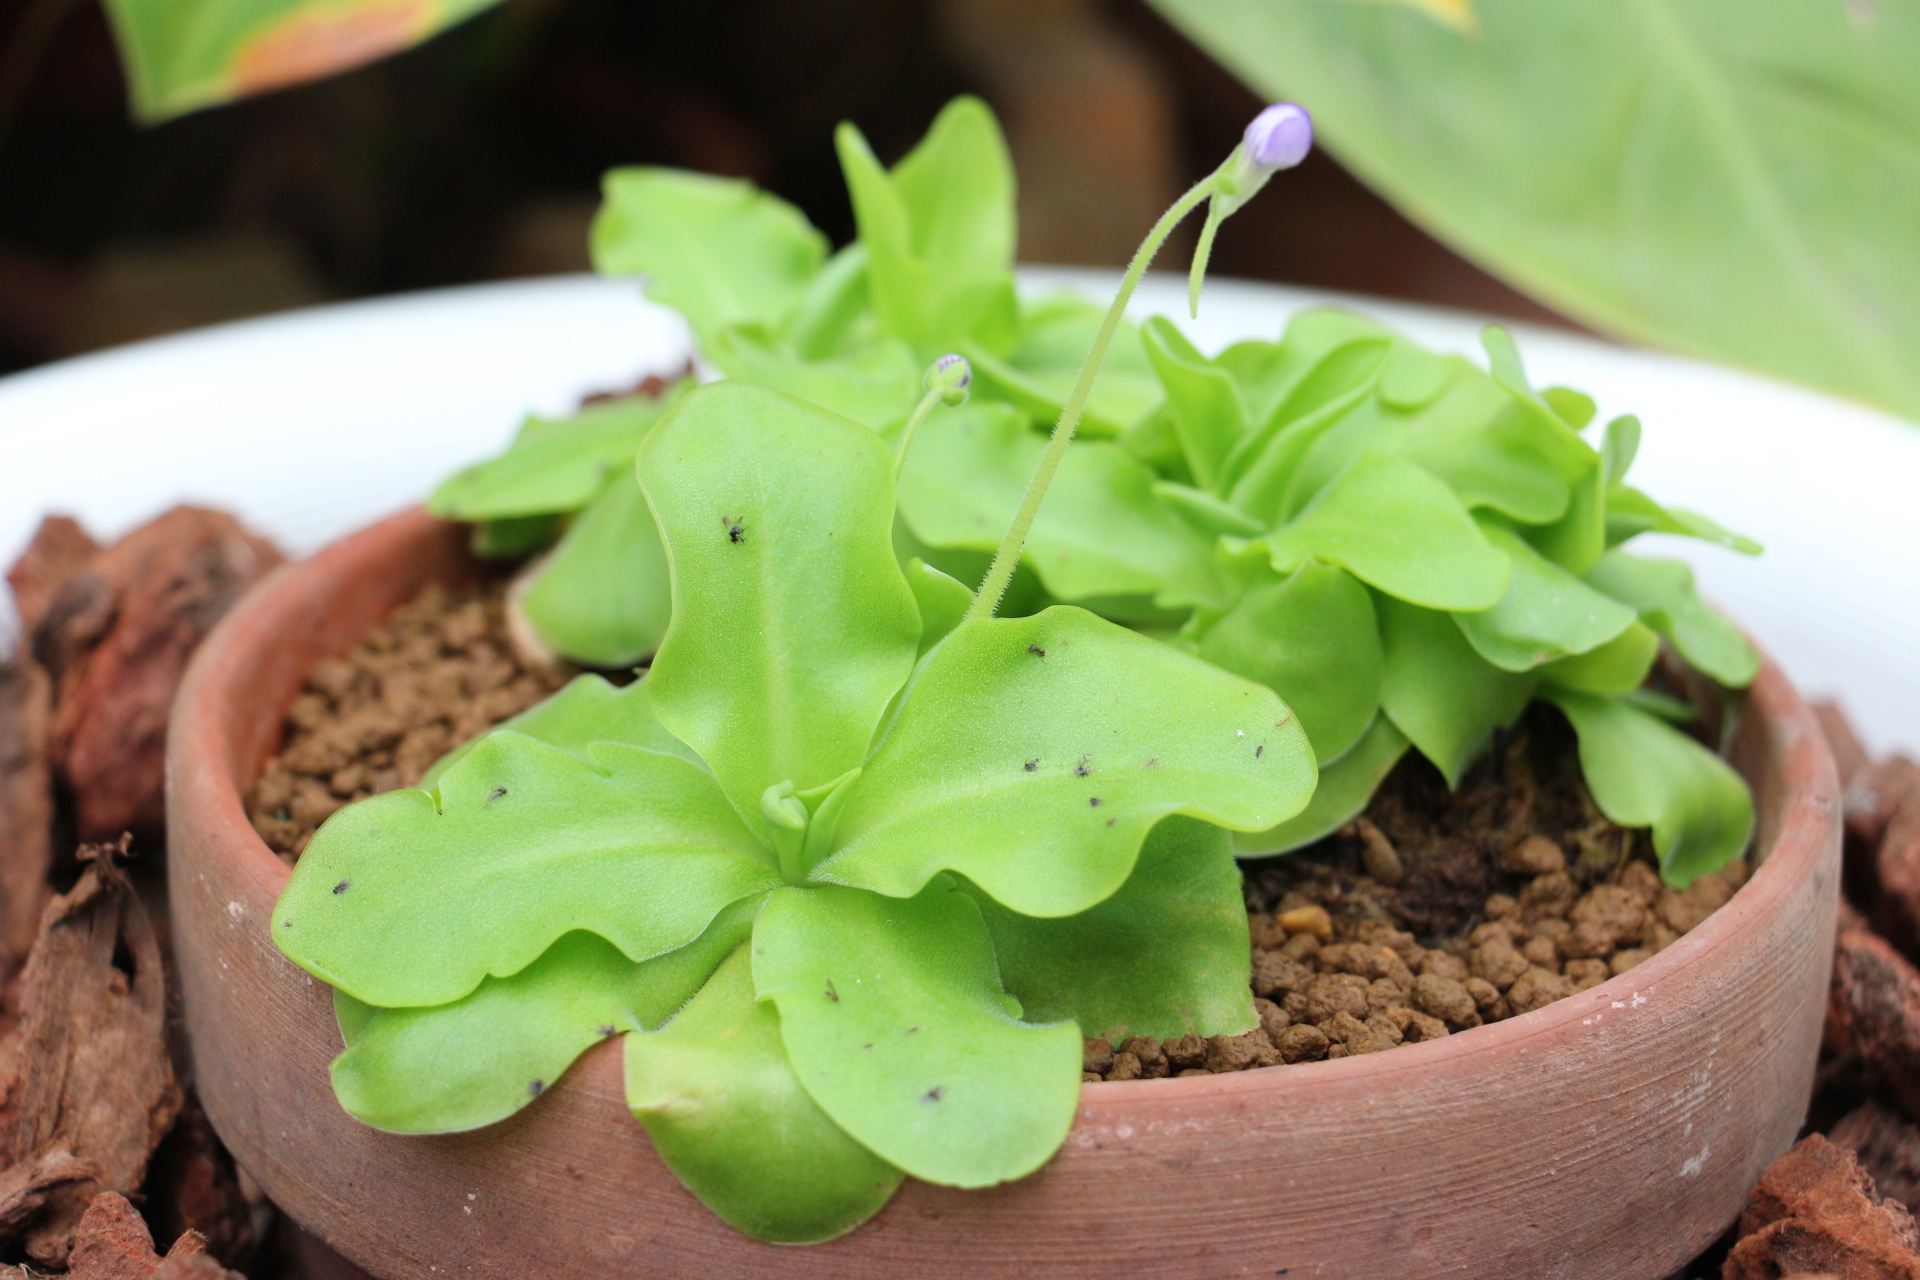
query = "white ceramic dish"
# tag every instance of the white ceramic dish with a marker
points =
(311, 423)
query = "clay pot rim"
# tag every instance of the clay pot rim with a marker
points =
(1790, 861)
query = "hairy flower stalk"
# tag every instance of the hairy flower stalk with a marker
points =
(1278, 138)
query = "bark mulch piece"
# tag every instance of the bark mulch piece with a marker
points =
(439, 671)
(87, 1089)
(1887, 1145)
(59, 550)
(1815, 1211)
(193, 1186)
(115, 636)
(26, 806)
(1894, 790)
(1874, 1011)
(113, 1243)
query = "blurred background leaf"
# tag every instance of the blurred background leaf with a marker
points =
(1726, 179)
(185, 54)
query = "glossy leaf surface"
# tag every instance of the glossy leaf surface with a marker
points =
(1547, 613)
(1312, 638)
(715, 1093)
(1705, 175)
(893, 1016)
(602, 599)
(399, 902)
(478, 1060)
(553, 465)
(1346, 785)
(1028, 757)
(1165, 956)
(792, 627)
(1645, 773)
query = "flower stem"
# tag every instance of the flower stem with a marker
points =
(994, 585)
(918, 416)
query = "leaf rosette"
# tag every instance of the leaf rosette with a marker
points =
(842, 869)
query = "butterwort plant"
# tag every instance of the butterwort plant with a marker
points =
(851, 870)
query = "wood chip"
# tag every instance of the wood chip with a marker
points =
(26, 806)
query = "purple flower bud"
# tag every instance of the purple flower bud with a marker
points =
(1280, 136)
(950, 375)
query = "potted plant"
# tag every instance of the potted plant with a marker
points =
(845, 867)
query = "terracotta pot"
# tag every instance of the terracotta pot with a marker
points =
(1611, 1135)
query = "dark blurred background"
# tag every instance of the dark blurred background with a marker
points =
(477, 156)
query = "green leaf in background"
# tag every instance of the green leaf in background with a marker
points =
(895, 1022)
(718, 250)
(1644, 772)
(1165, 956)
(725, 1111)
(602, 598)
(454, 1067)
(553, 465)
(181, 55)
(1440, 692)
(1730, 180)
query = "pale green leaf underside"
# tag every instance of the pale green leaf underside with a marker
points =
(1645, 773)
(714, 1091)
(1033, 755)
(718, 250)
(1732, 181)
(1439, 692)
(1166, 955)
(602, 599)
(478, 1060)
(400, 903)
(895, 1022)
(1346, 785)
(792, 625)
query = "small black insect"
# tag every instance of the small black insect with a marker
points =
(831, 993)
(1034, 648)
(607, 1031)
(497, 793)
(1080, 770)
(1032, 765)
(1094, 801)
(736, 528)
(536, 1087)
(1111, 821)
(342, 886)
(933, 1094)
(1259, 751)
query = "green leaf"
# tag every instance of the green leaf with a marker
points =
(182, 55)
(895, 1022)
(1264, 473)
(1165, 956)
(1710, 176)
(718, 250)
(1444, 696)
(939, 229)
(516, 537)
(792, 625)
(876, 383)
(1101, 532)
(588, 709)
(1663, 592)
(1033, 755)
(1399, 529)
(1313, 639)
(1547, 613)
(1204, 399)
(1487, 451)
(943, 601)
(1645, 773)
(1631, 513)
(553, 465)
(1346, 785)
(602, 599)
(715, 1092)
(1619, 666)
(399, 902)
(458, 1066)
(1051, 341)
(1579, 538)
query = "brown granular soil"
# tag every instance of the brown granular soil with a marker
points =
(438, 671)
(1437, 911)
